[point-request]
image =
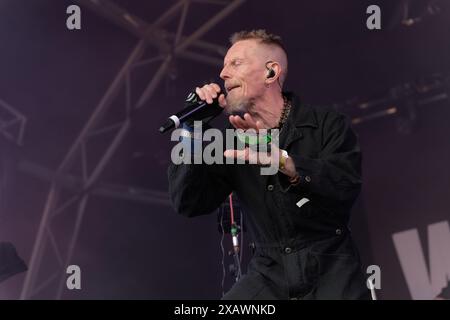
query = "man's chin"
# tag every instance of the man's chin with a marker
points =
(234, 108)
(235, 111)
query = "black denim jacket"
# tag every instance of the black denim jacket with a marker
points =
(327, 156)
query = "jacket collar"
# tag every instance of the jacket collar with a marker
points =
(301, 115)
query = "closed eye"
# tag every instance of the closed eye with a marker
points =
(234, 63)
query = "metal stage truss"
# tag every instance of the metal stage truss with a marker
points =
(12, 123)
(76, 179)
(169, 46)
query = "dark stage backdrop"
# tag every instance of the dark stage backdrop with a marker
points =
(405, 198)
(138, 250)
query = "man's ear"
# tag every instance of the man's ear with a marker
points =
(273, 71)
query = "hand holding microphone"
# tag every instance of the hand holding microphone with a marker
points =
(206, 102)
(210, 92)
(240, 120)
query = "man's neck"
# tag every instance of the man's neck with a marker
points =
(268, 110)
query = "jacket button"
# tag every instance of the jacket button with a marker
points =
(270, 187)
(308, 179)
(338, 232)
(287, 250)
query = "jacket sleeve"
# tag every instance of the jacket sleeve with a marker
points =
(335, 175)
(198, 189)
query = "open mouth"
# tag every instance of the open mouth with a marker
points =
(231, 88)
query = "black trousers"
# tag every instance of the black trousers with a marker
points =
(325, 269)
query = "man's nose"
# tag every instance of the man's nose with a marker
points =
(224, 74)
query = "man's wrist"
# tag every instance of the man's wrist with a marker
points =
(283, 157)
(287, 167)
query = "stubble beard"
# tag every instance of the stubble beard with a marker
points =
(239, 106)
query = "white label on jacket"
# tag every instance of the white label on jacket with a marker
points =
(302, 202)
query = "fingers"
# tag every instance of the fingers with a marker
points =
(222, 101)
(216, 87)
(238, 122)
(230, 153)
(212, 94)
(248, 122)
(259, 125)
(237, 154)
(204, 94)
(249, 156)
(208, 92)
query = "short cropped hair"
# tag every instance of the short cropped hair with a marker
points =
(264, 37)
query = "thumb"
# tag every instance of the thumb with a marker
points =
(222, 101)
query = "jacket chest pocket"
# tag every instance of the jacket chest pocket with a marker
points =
(304, 149)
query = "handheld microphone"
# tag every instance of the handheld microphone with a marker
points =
(195, 110)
